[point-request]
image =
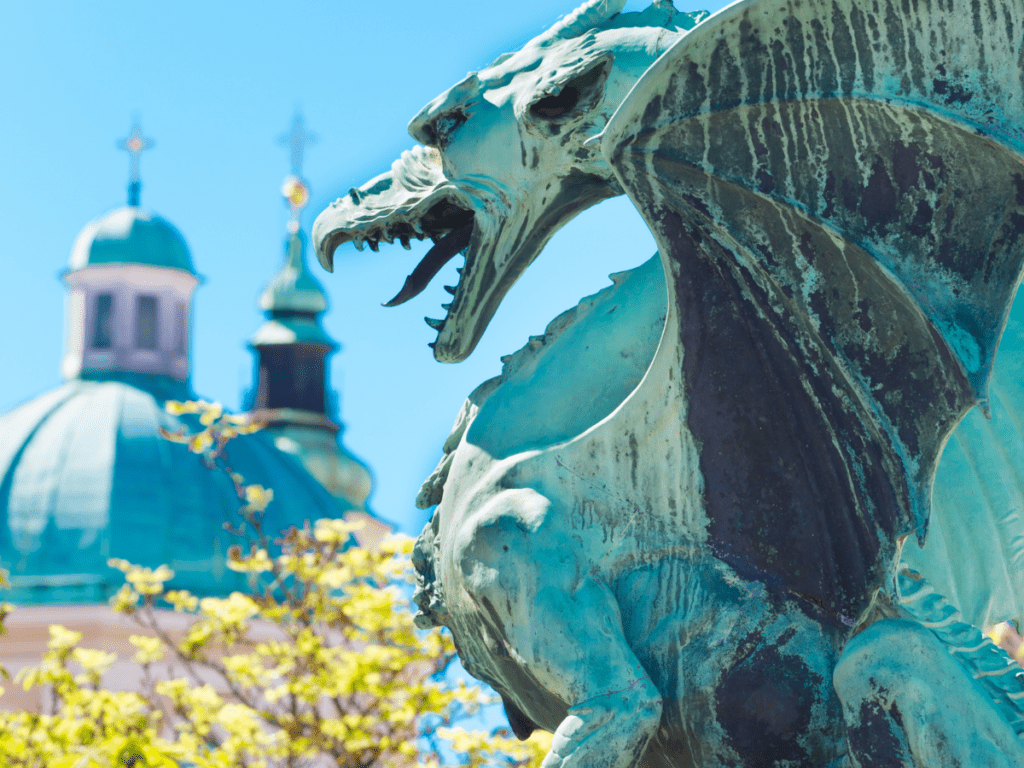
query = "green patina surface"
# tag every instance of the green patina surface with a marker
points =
(837, 195)
(85, 476)
(292, 301)
(294, 289)
(131, 235)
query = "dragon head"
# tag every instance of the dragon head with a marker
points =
(506, 159)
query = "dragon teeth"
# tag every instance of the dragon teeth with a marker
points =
(359, 243)
(450, 289)
(446, 307)
(405, 243)
(437, 325)
(374, 245)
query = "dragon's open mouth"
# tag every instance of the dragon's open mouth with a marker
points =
(482, 222)
(451, 234)
(413, 200)
(475, 216)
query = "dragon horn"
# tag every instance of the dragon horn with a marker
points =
(586, 17)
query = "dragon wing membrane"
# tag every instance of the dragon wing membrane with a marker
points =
(837, 189)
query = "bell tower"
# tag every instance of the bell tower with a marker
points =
(291, 392)
(130, 282)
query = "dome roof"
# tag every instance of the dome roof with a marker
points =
(131, 235)
(294, 289)
(85, 476)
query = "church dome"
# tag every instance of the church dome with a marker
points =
(86, 476)
(131, 235)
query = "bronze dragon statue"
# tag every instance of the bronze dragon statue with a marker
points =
(673, 540)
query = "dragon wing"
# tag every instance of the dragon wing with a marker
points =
(837, 190)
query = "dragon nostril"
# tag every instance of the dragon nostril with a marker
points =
(443, 127)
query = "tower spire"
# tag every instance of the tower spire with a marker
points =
(291, 346)
(291, 392)
(135, 144)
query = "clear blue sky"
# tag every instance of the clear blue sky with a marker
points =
(215, 84)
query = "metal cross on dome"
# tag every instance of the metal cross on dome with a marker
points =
(296, 140)
(135, 144)
(295, 190)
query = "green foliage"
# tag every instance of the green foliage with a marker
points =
(317, 664)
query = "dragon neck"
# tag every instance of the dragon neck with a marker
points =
(580, 371)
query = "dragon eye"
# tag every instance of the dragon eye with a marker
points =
(550, 107)
(580, 88)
